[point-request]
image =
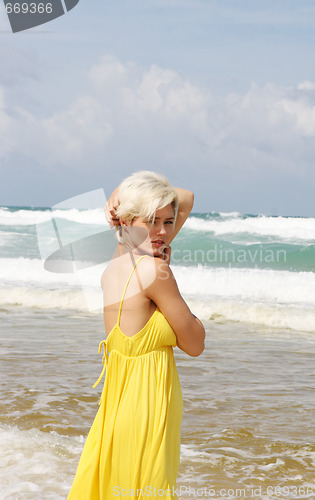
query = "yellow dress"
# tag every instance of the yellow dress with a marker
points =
(133, 447)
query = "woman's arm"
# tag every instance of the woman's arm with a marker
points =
(189, 330)
(185, 204)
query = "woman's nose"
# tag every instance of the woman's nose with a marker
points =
(161, 229)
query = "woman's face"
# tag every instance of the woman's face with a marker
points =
(159, 232)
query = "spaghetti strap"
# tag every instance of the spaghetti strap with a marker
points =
(123, 295)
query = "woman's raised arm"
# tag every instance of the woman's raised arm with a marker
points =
(185, 204)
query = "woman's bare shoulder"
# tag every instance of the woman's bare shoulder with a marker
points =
(116, 274)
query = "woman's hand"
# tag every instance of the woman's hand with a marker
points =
(166, 255)
(111, 207)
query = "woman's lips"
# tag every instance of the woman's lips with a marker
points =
(158, 243)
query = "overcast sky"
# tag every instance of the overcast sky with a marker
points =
(217, 94)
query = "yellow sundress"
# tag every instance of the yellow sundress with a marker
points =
(133, 447)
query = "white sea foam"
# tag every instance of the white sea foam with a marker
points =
(26, 217)
(92, 216)
(35, 464)
(202, 283)
(235, 451)
(273, 298)
(229, 214)
(271, 465)
(191, 452)
(25, 282)
(44, 299)
(286, 228)
(256, 285)
(32, 272)
(279, 299)
(299, 319)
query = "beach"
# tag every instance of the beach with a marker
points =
(248, 422)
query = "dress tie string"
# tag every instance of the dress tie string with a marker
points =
(104, 361)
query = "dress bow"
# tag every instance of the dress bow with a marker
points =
(104, 361)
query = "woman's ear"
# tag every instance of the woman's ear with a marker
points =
(122, 222)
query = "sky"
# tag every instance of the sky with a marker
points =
(219, 95)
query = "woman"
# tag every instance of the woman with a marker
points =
(133, 447)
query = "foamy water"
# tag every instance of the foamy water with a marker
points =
(248, 405)
(273, 298)
(248, 420)
(285, 228)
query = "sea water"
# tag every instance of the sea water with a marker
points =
(248, 422)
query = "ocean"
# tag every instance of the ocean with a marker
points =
(248, 423)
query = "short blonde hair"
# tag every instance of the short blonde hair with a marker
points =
(143, 193)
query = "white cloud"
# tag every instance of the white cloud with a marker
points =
(109, 69)
(131, 112)
(306, 85)
(65, 138)
(302, 115)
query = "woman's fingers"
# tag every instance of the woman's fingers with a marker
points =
(110, 211)
(167, 254)
(111, 208)
(108, 215)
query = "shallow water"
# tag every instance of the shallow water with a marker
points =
(249, 407)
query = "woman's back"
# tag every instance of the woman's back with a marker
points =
(136, 307)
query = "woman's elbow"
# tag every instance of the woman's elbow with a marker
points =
(199, 344)
(196, 346)
(196, 350)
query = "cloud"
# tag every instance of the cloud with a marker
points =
(301, 110)
(136, 114)
(69, 137)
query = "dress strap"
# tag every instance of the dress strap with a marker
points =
(123, 295)
(104, 342)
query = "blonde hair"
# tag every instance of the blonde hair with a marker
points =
(143, 193)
